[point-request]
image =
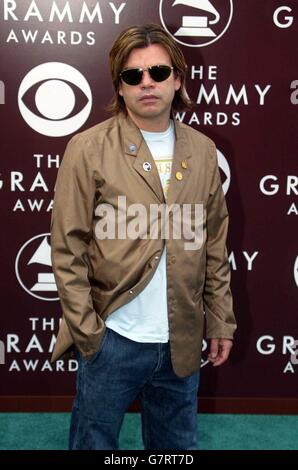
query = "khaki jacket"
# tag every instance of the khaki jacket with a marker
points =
(96, 276)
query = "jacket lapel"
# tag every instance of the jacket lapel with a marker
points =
(181, 164)
(142, 160)
(151, 177)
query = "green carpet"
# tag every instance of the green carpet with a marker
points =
(49, 431)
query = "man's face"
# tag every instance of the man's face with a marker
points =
(149, 103)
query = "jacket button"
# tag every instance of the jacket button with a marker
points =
(173, 259)
(131, 291)
(156, 257)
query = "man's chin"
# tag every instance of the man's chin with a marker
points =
(151, 112)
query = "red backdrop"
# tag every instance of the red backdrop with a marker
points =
(242, 59)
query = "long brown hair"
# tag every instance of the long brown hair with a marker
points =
(143, 36)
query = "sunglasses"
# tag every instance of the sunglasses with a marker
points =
(158, 73)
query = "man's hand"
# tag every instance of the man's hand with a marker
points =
(219, 350)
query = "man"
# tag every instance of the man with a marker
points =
(133, 294)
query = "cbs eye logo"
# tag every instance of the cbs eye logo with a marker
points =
(55, 93)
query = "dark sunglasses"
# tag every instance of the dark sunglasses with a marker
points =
(158, 73)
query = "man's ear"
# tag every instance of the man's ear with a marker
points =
(177, 82)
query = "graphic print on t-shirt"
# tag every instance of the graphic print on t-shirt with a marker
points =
(164, 167)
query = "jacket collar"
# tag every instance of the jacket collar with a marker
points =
(135, 146)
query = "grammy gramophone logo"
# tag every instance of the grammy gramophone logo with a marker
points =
(196, 23)
(33, 268)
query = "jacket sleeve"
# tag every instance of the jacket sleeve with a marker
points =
(218, 303)
(71, 231)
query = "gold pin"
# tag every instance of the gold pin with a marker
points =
(184, 164)
(179, 175)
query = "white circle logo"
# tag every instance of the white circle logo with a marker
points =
(55, 101)
(33, 268)
(196, 23)
(204, 361)
(224, 166)
(296, 271)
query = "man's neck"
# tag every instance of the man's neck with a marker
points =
(151, 125)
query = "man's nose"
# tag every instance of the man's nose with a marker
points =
(146, 79)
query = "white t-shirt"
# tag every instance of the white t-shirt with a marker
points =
(145, 318)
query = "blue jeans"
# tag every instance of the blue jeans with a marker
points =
(120, 372)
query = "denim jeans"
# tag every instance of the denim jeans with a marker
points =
(120, 372)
